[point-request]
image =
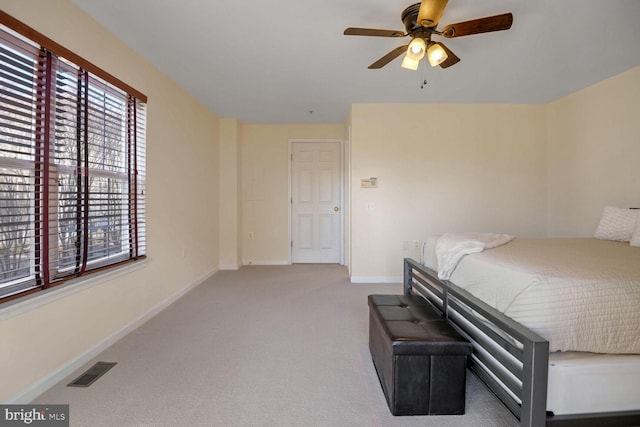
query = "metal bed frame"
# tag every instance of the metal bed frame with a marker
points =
(508, 357)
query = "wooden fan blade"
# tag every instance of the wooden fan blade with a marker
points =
(477, 26)
(389, 57)
(372, 32)
(431, 12)
(452, 59)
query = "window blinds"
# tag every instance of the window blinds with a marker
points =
(72, 168)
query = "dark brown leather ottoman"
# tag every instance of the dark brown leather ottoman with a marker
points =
(420, 359)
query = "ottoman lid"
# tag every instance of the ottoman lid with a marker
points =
(426, 337)
(415, 326)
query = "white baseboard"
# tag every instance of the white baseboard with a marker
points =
(229, 267)
(376, 279)
(39, 387)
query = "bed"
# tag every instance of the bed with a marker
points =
(555, 325)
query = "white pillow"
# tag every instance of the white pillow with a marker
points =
(617, 224)
(635, 238)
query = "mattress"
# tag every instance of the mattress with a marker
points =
(585, 382)
(579, 294)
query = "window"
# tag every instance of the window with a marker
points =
(72, 165)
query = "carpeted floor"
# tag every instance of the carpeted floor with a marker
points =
(261, 346)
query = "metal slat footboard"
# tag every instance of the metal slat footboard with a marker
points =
(509, 358)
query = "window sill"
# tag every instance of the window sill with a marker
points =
(16, 307)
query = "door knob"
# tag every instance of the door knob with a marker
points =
(336, 209)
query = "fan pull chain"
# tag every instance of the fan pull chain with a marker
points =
(423, 72)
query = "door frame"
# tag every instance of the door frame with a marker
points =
(341, 197)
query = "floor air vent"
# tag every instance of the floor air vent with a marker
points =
(92, 374)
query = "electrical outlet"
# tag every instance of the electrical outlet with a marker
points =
(251, 235)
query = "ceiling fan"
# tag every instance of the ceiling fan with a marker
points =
(420, 22)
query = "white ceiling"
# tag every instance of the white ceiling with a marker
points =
(287, 61)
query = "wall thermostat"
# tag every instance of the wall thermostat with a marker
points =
(369, 183)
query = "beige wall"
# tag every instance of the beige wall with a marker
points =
(347, 193)
(182, 211)
(265, 187)
(594, 152)
(230, 179)
(442, 168)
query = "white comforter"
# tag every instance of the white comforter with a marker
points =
(579, 294)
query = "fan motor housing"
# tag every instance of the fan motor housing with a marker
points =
(410, 18)
(411, 25)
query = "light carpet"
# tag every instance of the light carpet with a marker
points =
(261, 346)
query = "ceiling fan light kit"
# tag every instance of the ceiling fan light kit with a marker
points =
(417, 48)
(410, 63)
(436, 54)
(421, 21)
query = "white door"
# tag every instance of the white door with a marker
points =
(315, 202)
